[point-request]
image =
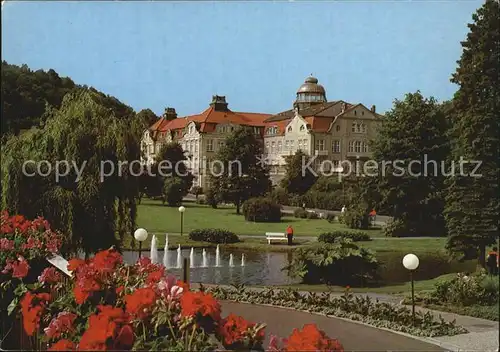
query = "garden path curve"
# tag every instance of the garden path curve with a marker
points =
(354, 337)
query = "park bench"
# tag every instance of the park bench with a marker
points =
(278, 236)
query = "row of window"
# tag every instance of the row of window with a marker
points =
(359, 128)
(358, 147)
(210, 145)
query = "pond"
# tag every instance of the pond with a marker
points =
(256, 269)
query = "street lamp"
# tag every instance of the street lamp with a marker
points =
(182, 210)
(140, 235)
(410, 262)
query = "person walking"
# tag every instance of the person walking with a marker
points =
(492, 261)
(289, 234)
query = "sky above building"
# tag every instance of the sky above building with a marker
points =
(179, 54)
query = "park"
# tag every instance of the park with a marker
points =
(126, 230)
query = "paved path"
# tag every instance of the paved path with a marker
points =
(354, 337)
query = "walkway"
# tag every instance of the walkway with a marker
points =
(354, 337)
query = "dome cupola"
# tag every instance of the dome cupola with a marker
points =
(310, 93)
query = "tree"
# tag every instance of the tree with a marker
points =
(25, 94)
(472, 203)
(242, 175)
(298, 179)
(174, 173)
(412, 138)
(91, 205)
(147, 117)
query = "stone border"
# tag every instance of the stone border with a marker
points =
(430, 340)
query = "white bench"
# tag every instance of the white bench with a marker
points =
(278, 236)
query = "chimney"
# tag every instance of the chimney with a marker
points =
(170, 114)
(219, 103)
(373, 108)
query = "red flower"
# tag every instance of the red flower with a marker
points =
(61, 324)
(140, 302)
(62, 345)
(235, 330)
(20, 268)
(106, 261)
(6, 244)
(49, 276)
(32, 307)
(155, 276)
(185, 286)
(74, 264)
(119, 289)
(194, 303)
(311, 339)
(80, 295)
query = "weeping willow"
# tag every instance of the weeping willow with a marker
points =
(88, 128)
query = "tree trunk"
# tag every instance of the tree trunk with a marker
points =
(482, 256)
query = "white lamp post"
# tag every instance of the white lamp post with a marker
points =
(410, 262)
(140, 235)
(182, 210)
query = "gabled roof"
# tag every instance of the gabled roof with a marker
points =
(211, 117)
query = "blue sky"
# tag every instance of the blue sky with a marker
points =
(178, 54)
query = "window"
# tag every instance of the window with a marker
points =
(365, 147)
(210, 145)
(290, 129)
(279, 146)
(300, 144)
(302, 128)
(354, 127)
(363, 128)
(273, 147)
(220, 145)
(196, 146)
(256, 130)
(320, 144)
(357, 147)
(267, 147)
(337, 128)
(362, 112)
(291, 144)
(304, 143)
(287, 144)
(151, 149)
(336, 146)
(272, 130)
(351, 146)
(355, 112)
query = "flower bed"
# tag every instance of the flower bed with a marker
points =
(113, 306)
(357, 308)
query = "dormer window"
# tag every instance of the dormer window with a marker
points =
(289, 129)
(337, 128)
(302, 128)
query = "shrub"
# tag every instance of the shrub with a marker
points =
(396, 228)
(312, 215)
(356, 217)
(201, 201)
(279, 195)
(330, 217)
(197, 190)
(339, 263)
(355, 236)
(300, 213)
(173, 191)
(261, 210)
(211, 198)
(213, 236)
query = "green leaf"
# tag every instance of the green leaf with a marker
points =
(12, 306)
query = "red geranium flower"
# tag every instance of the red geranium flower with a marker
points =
(74, 264)
(20, 268)
(311, 339)
(193, 303)
(234, 330)
(61, 324)
(140, 302)
(32, 306)
(49, 276)
(106, 261)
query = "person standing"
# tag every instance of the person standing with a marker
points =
(492, 261)
(289, 234)
(343, 210)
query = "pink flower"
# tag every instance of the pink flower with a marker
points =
(6, 244)
(49, 276)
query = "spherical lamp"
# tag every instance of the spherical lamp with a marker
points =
(410, 261)
(141, 235)
(182, 209)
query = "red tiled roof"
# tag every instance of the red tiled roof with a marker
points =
(211, 117)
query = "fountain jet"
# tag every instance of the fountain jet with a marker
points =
(217, 256)
(243, 259)
(191, 258)
(205, 259)
(231, 260)
(179, 257)
(154, 251)
(165, 253)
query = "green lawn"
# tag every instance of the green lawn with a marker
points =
(156, 218)
(411, 245)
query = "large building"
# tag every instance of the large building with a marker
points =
(332, 132)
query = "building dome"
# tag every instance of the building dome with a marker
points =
(311, 92)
